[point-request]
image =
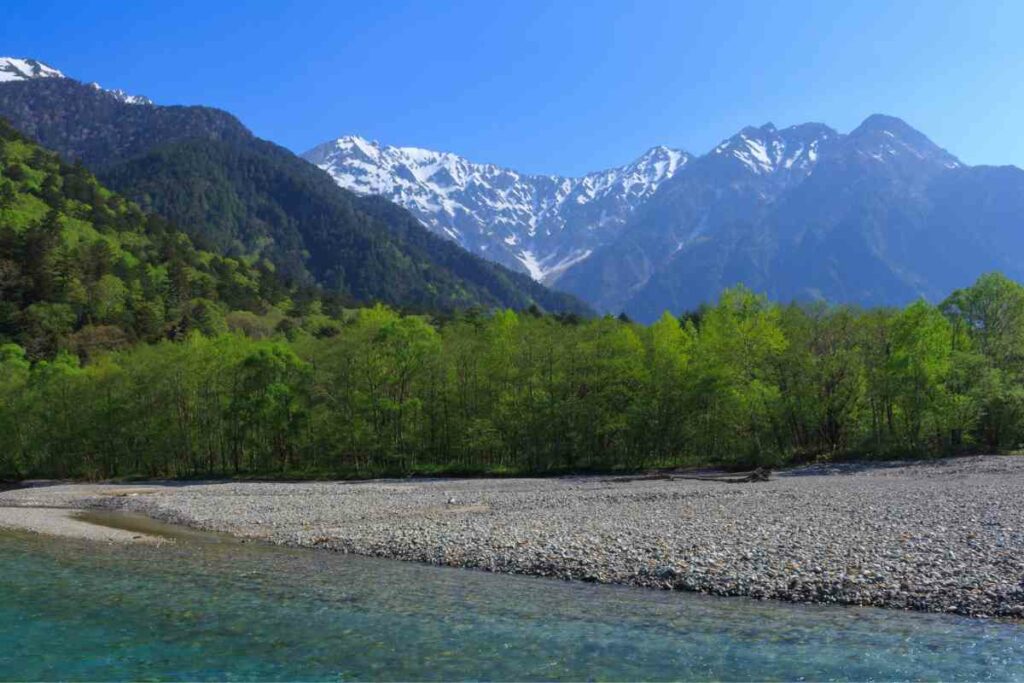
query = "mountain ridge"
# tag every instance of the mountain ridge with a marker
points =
(538, 224)
(878, 215)
(866, 222)
(802, 212)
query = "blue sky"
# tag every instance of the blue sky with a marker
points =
(559, 87)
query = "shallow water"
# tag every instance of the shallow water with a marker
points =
(208, 608)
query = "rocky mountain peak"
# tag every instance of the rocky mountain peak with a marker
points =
(883, 122)
(121, 95)
(887, 138)
(567, 230)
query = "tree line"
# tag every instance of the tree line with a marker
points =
(738, 383)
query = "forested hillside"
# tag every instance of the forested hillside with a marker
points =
(84, 270)
(740, 383)
(203, 170)
(94, 127)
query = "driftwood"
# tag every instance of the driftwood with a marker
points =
(760, 474)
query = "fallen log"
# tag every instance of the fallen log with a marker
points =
(756, 475)
(760, 474)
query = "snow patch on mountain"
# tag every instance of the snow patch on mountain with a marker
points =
(123, 96)
(539, 224)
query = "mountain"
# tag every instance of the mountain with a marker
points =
(99, 129)
(705, 217)
(799, 213)
(879, 216)
(245, 197)
(123, 96)
(541, 225)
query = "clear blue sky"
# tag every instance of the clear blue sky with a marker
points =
(559, 87)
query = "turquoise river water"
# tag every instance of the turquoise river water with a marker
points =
(209, 608)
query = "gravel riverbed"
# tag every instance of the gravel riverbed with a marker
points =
(945, 536)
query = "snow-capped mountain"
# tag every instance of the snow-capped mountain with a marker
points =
(877, 216)
(880, 215)
(730, 186)
(13, 69)
(539, 224)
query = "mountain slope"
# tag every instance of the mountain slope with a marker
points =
(83, 269)
(99, 129)
(205, 171)
(878, 216)
(259, 196)
(541, 225)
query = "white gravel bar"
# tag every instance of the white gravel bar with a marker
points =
(944, 536)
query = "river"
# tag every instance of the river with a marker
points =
(207, 607)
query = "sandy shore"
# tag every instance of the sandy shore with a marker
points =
(937, 536)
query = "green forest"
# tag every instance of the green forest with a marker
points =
(739, 383)
(126, 350)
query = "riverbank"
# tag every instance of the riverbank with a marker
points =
(941, 536)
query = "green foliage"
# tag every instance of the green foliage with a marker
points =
(748, 382)
(919, 364)
(822, 379)
(988, 372)
(736, 352)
